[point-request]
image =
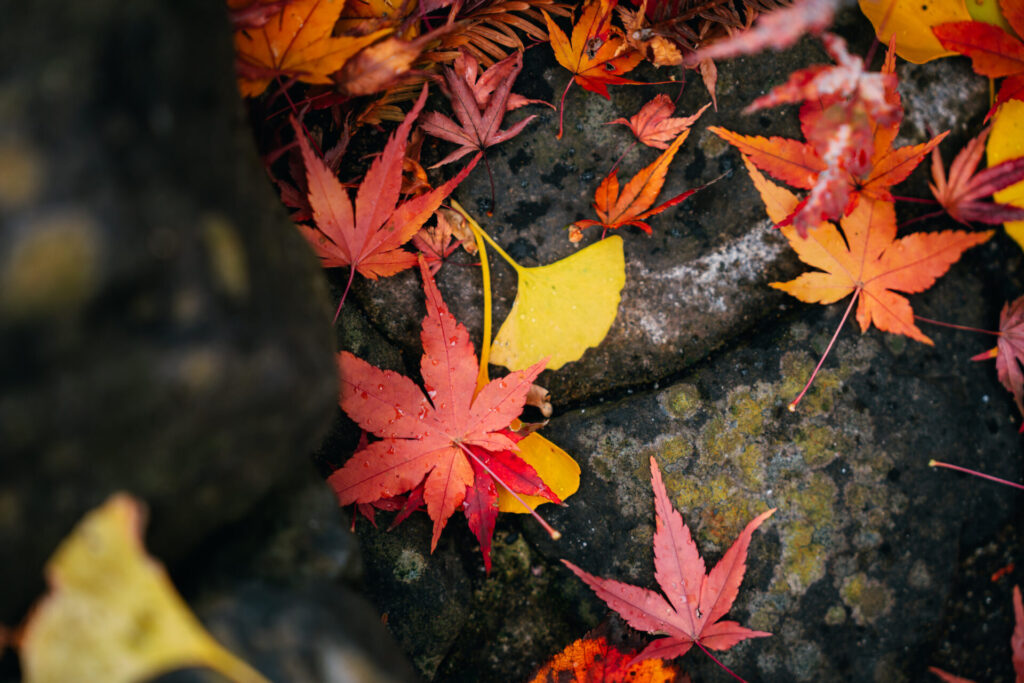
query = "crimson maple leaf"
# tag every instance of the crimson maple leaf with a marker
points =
(369, 235)
(959, 192)
(994, 52)
(1009, 351)
(696, 600)
(454, 441)
(654, 124)
(479, 104)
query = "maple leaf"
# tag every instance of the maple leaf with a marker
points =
(777, 29)
(959, 192)
(1016, 645)
(297, 42)
(994, 52)
(480, 105)
(631, 205)
(697, 600)
(368, 235)
(593, 55)
(850, 119)
(453, 440)
(595, 660)
(864, 259)
(654, 124)
(1009, 351)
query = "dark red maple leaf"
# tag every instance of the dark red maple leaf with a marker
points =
(1009, 351)
(453, 441)
(959, 192)
(697, 600)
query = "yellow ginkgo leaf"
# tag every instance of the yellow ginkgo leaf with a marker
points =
(112, 614)
(563, 308)
(556, 467)
(989, 12)
(1007, 142)
(912, 21)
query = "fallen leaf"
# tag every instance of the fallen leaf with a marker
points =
(593, 54)
(994, 52)
(480, 105)
(454, 440)
(911, 22)
(632, 205)
(563, 308)
(864, 258)
(595, 660)
(112, 614)
(654, 124)
(960, 191)
(1009, 351)
(777, 29)
(1007, 142)
(697, 600)
(557, 468)
(369, 235)
(296, 43)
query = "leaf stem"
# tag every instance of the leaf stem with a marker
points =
(348, 285)
(795, 401)
(717, 661)
(485, 271)
(561, 106)
(965, 470)
(555, 535)
(965, 328)
(477, 229)
(914, 200)
(924, 217)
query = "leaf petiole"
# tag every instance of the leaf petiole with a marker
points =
(792, 404)
(718, 662)
(965, 470)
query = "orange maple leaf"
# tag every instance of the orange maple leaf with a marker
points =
(594, 56)
(697, 599)
(369, 235)
(595, 660)
(297, 42)
(865, 259)
(631, 205)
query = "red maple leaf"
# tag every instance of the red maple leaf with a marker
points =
(654, 124)
(994, 52)
(369, 235)
(454, 441)
(1009, 351)
(480, 105)
(959, 192)
(697, 600)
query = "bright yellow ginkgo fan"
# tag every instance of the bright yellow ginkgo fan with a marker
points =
(912, 21)
(1007, 142)
(112, 614)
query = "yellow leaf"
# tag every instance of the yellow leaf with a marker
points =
(556, 467)
(912, 21)
(563, 308)
(1007, 142)
(988, 11)
(112, 614)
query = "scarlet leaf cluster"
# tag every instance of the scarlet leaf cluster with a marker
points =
(1009, 351)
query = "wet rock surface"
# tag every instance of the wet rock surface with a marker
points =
(874, 565)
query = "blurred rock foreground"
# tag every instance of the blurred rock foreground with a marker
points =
(165, 332)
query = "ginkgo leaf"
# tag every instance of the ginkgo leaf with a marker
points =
(112, 614)
(296, 43)
(696, 599)
(552, 464)
(866, 259)
(563, 308)
(633, 204)
(911, 21)
(595, 660)
(593, 55)
(1007, 142)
